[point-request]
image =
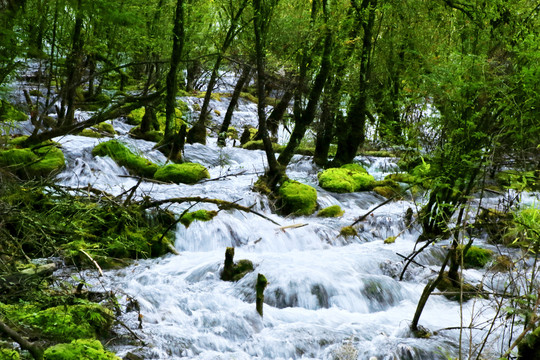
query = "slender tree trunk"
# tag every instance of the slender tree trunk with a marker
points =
(246, 70)
(278, 112)
(74, 63)
(274, 171)
(197, 134)
(172, 83)
(352, 132)
(309, 112)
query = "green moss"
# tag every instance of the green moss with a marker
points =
(502, 263)
(476, 257)
(187, 173)
(529, 347)
(457, 291)
(390, 240)
(403, 178)
(91, 133)
(9, 113)
(124, 157)
(9, 354)
(201, 215)
(42, 160)
(135, 116)
(61, 323)
(79, 349)
(35, 92)
(232, 133)
(343, 180)
(152, 135)
(297, 198)
(258, 145)
(241, 269)
(347, 231)
(249, 97)
(518, 180)
(331, 211)
(106, 128)
(354, 167)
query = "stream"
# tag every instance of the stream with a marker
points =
(328, 297)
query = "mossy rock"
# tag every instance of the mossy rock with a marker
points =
(476, 257)
(135, 116)
(297, 198)
(35, 92)
(454, 291)
(200, 215)
(152, 135)
(9, 354)
(385, 191)
(403, 178)
(494, 223)
(106, 128)
(62, 323)
(343, 180)
(258, 145)
(9, 113)
(81, 349)
(241, 269)
(331, 211)
(354, 167)
(91, 133)
(390, 240)
(186, 173)
(348, 231)
(529, 347)
(40, 161)
(518, 180)
(125, 157)
(503, 263)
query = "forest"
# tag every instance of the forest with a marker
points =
(375, 164)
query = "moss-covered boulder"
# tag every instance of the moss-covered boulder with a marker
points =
(186, 173)
(39, 161)
(123, 156)
(258, 145)
(61, 323)
(529, 347)
(106, 128)
(390, 240)
(152, 135)
(348, 231)
(82, 349)
(297, 198)
(476, 257)
(457, 291)
(9, 113)
(348, 178)
(200, 215)
(135, 116)
(331, 211)
(91, 133)
(9, 354)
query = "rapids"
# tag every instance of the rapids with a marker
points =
(329, 297)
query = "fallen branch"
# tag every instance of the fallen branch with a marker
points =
(363, 217)
(93, 261)
(222, 205)
(36, 351)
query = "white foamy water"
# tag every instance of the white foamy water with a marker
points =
(327, 295)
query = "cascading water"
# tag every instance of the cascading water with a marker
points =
(328, 297)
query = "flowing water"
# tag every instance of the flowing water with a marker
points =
(328, 297)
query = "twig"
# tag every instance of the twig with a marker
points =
(222, 204)
(93, 261)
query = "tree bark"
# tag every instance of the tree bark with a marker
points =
(351, 133)
(246, 70)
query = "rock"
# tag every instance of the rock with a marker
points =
(348, 178)
(186, 173)
(123, 156)
(331, 211)
(297, 198)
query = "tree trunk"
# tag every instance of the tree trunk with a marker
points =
(352, 131)
(278, 112)
(309, 112)
(172, 81)
(74, 63)
(246, 70)
(274, 172)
